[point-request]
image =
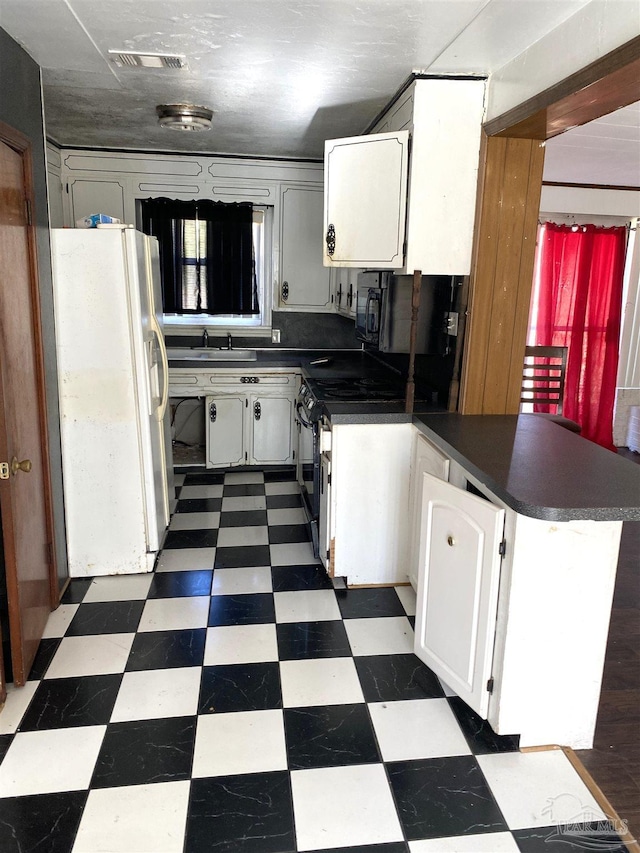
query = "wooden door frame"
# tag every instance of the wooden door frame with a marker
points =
(509, 189)
(21, 144)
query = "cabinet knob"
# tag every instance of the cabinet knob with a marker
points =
(284, 293)
(257, 410)
(330, 240)
(451, 541)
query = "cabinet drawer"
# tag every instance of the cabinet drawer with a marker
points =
(247, 380)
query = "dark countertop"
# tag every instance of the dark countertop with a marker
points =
(538, 468)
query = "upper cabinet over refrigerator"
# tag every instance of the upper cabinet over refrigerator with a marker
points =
(388, 208)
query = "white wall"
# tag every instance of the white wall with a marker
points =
(595, 30)
(610, 207)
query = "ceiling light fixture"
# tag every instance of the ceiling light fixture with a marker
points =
(135, 59)
(184, 116)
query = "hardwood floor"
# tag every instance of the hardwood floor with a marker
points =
(614, 761)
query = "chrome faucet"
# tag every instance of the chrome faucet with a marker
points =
(229, 341)
(205, 338)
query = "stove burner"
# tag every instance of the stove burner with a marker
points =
(357, 389)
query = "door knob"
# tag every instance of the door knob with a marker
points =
(16, 466)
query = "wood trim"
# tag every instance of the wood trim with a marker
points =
(629, 189)
(611, 82)
(22, 144)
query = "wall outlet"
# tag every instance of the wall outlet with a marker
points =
(275, 336)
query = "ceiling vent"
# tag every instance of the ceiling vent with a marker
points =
(184, 116)
(133, 59)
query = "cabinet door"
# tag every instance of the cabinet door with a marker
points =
(365, 200)
(324, 513)
(304, 281)
(458, 588)
(272, 422)
(427, 459)
(345, 290)
(225, 433)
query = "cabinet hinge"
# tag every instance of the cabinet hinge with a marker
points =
(502, 548)
(328, 554)
(404, 249)
(66, 186)
(328, 479)
(245, 457)
(27, 210)
(246, 404)
(294, 454)
(490, 685)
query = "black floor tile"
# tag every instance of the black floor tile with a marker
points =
(299, 640)
(235, 557)
(76, 590)
(364, 603)
(478, 733)
(292, 578)
(243, 490)
(439, 797)
(242, 609)
(199, 505)
(574, 836)
(204, 478)
(106, 617)
(46, 650)
(390, 847)
(181, 584)
(280, 534)
(61, 703)
(329, 736)
(191, 539)
(145, 751)
(42, 823)
(167, 649)
(283, 501)
(240, 687)
(5, 743)
(244, 518)
(386, 678)
(280, 475)
(250, 813)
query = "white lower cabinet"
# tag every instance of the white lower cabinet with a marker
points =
(425, 459)
(225, 431)
(324, 520)
(271, 430)
(459, 573)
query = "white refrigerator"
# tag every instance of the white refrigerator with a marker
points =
(114, 381)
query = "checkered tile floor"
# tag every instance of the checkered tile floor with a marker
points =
(234, 701)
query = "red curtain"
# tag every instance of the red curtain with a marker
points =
(579, 301)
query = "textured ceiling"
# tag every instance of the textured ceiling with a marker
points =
(280, 75)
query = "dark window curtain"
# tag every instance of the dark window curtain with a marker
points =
(220, 277)
(580, 271)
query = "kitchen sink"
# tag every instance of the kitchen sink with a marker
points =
(210, 354)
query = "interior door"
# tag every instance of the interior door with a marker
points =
(459, 574)
(24, 489)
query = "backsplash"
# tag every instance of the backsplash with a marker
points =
(297, 330)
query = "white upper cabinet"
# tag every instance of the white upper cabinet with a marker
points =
(305, 283)
(365, 185)
(371, 183)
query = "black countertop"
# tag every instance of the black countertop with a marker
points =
(538, 468)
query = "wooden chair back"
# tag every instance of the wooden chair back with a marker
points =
(543, 376)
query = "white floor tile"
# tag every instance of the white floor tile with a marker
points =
(288, 487)
(190, 492)
(234, 478)
(157, 693)
(98, 654)
(417, 728)
(292, 554)
(173, 505)
(59, 620)
(538, 789)
(292, 515)
(55, 760)
(140, 818)
(244, 503)
(231, 537)
(186, 559)
(356, 807)
(309, 605)
(319, 681)
(490, 842)
(174, 614)
(119, 588)
(242, 742)
(407, 596)
(195, 521)
(242, 580)
(18, 699)
(240, 644)
(178, 479)
(392, 635)
(445, 687)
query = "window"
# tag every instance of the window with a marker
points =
(214, 261)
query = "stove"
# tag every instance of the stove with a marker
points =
(362, 390)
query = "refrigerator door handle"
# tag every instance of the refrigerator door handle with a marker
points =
(162, 408)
